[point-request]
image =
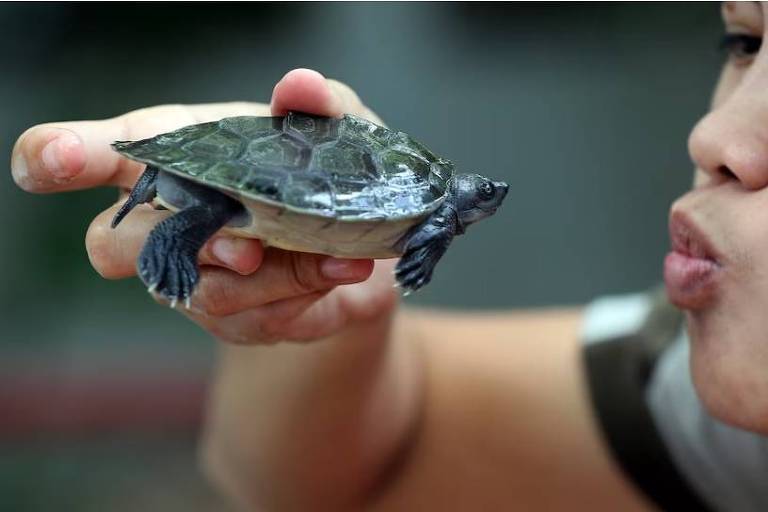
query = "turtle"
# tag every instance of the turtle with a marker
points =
(344, 187)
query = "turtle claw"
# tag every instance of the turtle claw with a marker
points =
(188, 302)
(168, 262)
(169, 280)
(415, 280)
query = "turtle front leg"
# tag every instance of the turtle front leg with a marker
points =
(168, 261)
(142, 192)
(424, 245)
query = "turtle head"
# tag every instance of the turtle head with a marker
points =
(477, 197)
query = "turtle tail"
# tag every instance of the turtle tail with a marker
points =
(142, 192)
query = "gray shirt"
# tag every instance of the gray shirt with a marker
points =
(727, 466)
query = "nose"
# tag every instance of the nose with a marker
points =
(502, 187)
(732, 140)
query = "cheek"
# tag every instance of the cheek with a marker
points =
(728, 366)
(744, 224)
(729, 340)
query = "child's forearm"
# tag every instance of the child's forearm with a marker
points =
(311, 427)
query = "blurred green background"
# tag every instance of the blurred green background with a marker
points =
(583, 109)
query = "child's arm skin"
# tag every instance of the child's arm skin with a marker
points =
(392, 411)
(458, 412)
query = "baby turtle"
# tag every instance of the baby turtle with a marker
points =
(344, 187)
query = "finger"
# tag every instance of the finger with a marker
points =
(282, 275)
(74, 155)
(351, 102)
(113, 252)
(306, 318)
(266, 324)
(306, 90)
(243, 255)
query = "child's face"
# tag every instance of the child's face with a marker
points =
(720, 274)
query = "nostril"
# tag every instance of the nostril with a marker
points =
(726, 173)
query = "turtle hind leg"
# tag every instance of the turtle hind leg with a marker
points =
(142, 192)
(423, 248)
(168, 261)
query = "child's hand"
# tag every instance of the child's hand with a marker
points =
(246, 294)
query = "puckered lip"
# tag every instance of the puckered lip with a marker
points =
(689, 239)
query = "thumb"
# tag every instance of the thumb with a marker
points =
(306, 90)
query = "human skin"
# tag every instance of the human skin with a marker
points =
(417, 410)
(729, 204)
(383, 410)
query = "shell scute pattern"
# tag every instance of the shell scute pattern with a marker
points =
(265, 182)
(404, 142)
(190, 167)
(219, 145)
(346, 167)
(344, 160)
(281, 151)
(441, 172)
(401, 201)
(230, 172)
(168, 154)
(356, 198)
(365, 133)
(311, 129)
(250, 128)
(410, 185)
(182, 136)
(403, 170)
(309, 191)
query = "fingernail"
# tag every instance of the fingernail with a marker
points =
(339, 270)
(227, 250)
(62, 156)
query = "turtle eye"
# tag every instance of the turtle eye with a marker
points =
(486, 190)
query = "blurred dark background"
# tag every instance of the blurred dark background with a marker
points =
(583, 109)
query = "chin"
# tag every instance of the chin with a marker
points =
(729, 363)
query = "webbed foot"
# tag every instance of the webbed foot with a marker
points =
(168, 261)
(423, 250)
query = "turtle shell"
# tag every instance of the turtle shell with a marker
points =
(349, 169)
